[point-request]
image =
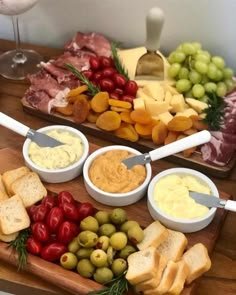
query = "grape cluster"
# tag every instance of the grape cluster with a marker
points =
(196, 72)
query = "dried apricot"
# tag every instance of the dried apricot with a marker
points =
(109, 121)
(92, 116)
(120, 103)
(72, 99)
(198, 123)
(125, 117)
(143, 129)
(67, 110)
(119, 110)
(180, 123)
(171, 137)
(127, 131)
(190, 131)
(159, 133)
(77, 91)
(188, 152)
(81, 110)
(141, 116)
(99, 103)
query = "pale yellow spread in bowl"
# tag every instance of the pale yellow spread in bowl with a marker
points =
(171, 194)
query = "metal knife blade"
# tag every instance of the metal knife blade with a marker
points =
(137, 160)
(42, 139)
(208, 200)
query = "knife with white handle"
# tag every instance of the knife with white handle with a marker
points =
(40, 138)
(169, 149)
(212, 201)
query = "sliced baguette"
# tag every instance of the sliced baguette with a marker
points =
(3, 196)
(154, 235)
(13, 216)
(167, 280)
(180, 278)
(10, 176)
(29, 188)
(142, 265)
(3, 191)
(8, 238)
(198, 261)
(173, 247)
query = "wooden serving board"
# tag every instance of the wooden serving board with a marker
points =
(71, 281)
(195, 161)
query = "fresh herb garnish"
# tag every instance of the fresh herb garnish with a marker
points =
(19, 245)
(118, 64)
(118, 286)
(92, 89)
(215, 111)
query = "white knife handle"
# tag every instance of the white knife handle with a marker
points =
(230, 205)
(12, 124)
(154, 24)
(180, 145)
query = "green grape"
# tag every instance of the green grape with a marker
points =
(179, 57)
(170, 58)
(204, 80)
(202, 57)
(219, 75)
(198, 91)
(219, 62)
(195, 77)
(179, 48)
(229, 84)
(205, 98)
(173, 70)
(201, 67)
(221, 89)
(188, 94)
(210, 87)
(183, 73)
(188, 49)
(228, 73)
(204, 52)
(183, 85)
(197, 45)
(212, 71)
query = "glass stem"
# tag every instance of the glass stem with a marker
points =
(19, 57)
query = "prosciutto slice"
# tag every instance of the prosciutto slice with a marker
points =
(38, 99)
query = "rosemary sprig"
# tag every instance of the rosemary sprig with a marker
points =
(92, 89)
(215, 111)
(118, 64)
(19, 245)
(117, 286)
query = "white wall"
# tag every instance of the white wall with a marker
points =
(53, 22)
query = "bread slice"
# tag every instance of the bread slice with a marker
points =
(3, 196)
(167, 280)
(142, 265)
(13, 216)
(10, 176)
(153, 282)
(198, 261)
(8, 238)
(2, 187)
(154, 234)
(29, 188)
(180, 278)
(173, 247)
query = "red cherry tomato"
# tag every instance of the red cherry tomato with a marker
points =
(33, 246)
(119, 91)
(85, 209)
(114, 95)
(107, 84)
(49, 202)
(52, 238)
(127, 97)
(131, 88)
(106, 62)
(95, 63)
(108, 72)
(70, 211)
(40, 231)
(65, 196)
(54, 219)
(40, 213)
(119, 80)
(97, 76)
(53, 251)
(31, 210)
(66, 232)
(95, 83)
(88, 74)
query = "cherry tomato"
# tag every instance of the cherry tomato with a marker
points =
(65, 196)
(66, 232)
(40, 213)
(131, 88)
(85, 209)
(31, 210)
(119, 91)
(107, 84)
(95, 83)
(88, 74)
(95, 63)
(52, 238)
(97, 76)
(49, 202)
(53, 251)
(70, 211)
(54, 219)
(33, 246)
(127, 97)
(114, 95)
(105, 62)
(108, 72)
(119, 80)
(40, 231)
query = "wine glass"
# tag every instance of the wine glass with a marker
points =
(16, 64)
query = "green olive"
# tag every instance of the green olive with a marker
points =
(87, 239)
(89, 223)
(128, 224)
(118, 266)
(135, 234)
(73, 246)
(98, 258)
(103, 243)
(84, 253)
(68, 260)
(118, 240)
(107, 229)
(118, 216)
(85, 268)
(102, 217)
(103, 275)
(126, 251)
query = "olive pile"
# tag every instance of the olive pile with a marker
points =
(101, 249)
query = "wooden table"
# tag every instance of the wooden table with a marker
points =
(221, 279)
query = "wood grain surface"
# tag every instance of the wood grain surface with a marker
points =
(220, 280)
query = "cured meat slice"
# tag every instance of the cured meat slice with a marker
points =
(226, 137)
(38, 99)
(94, 42)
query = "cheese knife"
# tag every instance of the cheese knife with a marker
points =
(212, 201)
(41, 139)
(169, 149)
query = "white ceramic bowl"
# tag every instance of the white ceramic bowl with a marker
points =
(182, 225)
(115, 199)
(63, 174)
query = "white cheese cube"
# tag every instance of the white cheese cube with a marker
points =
(165, 117)
(177, 103)
(139, 104)
(157, 107)
(197, 105)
